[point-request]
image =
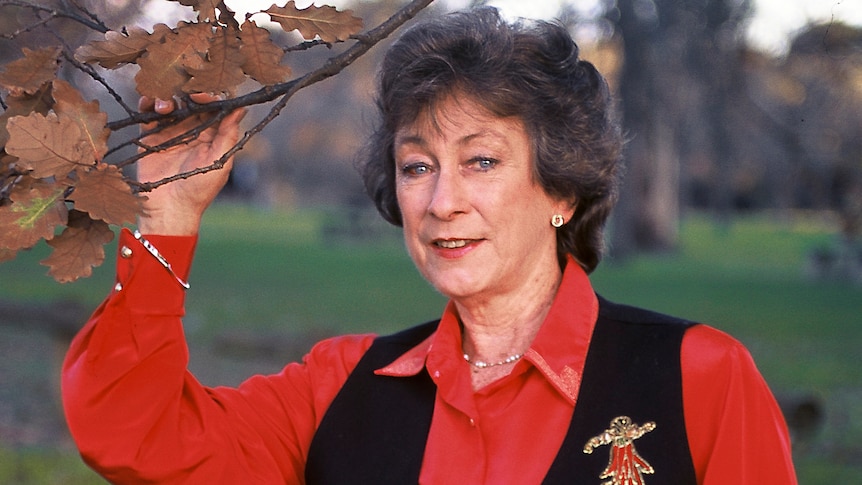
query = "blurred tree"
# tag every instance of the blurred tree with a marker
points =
(678, 74)
(825, 61)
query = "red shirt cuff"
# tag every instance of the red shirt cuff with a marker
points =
(148, 286)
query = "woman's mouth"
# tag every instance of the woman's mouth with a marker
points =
(451, 243)
(454, 248)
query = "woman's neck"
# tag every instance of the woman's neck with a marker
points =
(503, 327)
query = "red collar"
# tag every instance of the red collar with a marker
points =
(558, 352)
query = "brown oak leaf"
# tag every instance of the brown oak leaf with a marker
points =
(159, 79)
(227, 16)
(325, 21)
(23, 105)
(36, 209)
(89, 118)
(105, 195)
(119, 48)
(196, 39)
(205, 8)
(222, 72)
(49, 145)
(262, 57)
(28, 74)
(164, 66)
(79, 248)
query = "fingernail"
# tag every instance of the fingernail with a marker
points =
(162, 104)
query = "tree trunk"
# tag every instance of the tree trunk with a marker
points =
(647, 215)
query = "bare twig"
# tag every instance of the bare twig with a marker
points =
(102, 27)
(304, 46)
(89, 20)
(185, 137)
(99, 79)
(27, 28)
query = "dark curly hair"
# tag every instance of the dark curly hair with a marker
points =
(528, 69)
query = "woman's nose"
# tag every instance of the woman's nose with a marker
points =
(449, 196)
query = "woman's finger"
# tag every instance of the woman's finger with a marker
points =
(161, 106)
(164, 106)
(146, 103)
(204, 98)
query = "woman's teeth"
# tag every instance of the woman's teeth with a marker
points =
(452, 244)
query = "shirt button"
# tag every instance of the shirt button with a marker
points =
(437, 374)
(126, 252)
(472, 422)
(118, 287)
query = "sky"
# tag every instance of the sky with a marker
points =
(775, 19)
(769, 30)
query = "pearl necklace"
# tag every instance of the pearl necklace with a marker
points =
(483, 365)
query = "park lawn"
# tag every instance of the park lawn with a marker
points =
(273, 274)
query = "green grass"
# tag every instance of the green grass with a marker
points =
(272, 273)
(44, 467)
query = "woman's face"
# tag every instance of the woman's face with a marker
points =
(476, 223)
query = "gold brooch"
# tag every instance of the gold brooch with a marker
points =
(625, 466)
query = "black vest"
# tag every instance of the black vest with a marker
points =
(374, 432)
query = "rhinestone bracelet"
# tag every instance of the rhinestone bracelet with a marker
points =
(161, 259)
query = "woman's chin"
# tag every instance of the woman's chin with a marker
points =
(456, 289)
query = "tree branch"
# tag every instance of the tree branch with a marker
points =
(266, 94)
(285, 90)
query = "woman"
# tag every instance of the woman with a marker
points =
(497, 154)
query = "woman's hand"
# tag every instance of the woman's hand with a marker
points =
(176, 208)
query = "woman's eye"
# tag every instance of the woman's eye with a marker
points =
(415, 169)
(484, 164)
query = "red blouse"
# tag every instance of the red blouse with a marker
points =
(138, 415)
